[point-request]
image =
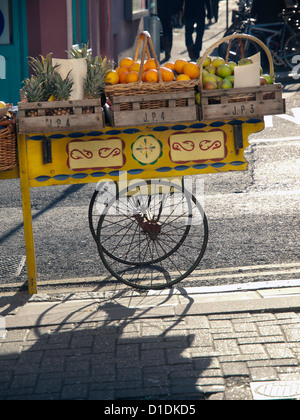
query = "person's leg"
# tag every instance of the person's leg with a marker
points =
(199, 37)
(167, 38)
(189, 29)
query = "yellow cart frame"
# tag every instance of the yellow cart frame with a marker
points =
(142, 152)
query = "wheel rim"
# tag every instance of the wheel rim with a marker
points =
(291, 50)
(157, 250)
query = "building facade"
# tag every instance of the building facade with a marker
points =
(34, 27)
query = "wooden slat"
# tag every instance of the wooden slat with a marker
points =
(61, 123)
(154, 116)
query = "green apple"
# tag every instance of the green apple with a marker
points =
(217, 61)
(210, 86)
(211, 69)
(210, 78)
(204, 73)
(207, 62)
(231, 79)
(245, 61)
(198, 98)
(268, 78)
(262, 81)
(232, 65)
(224, 70)
(225, 84)
(219, 78)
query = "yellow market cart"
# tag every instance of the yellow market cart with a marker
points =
(149, 226)
(149, 234)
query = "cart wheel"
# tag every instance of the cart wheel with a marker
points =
(104, 192)
(152, 234)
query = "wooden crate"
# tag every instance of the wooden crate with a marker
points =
(154, 108)
(242, 102)
(36, 117)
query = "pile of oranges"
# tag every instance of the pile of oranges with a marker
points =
(128, 71)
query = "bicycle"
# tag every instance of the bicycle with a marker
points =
(281, 38)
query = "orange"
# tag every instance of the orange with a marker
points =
(124, 69)
(112, 77)
(170, 65)
(123, 76)
(152, 76)
(135, 66)
(179, 64)
(144, 76)
(150, 64)
(132, 76)
(192, 70)
(167, 74)
(126, 61)
(182, 77)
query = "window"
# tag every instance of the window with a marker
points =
(136, 9)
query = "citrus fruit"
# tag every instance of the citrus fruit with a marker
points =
(126, 61)
(123, 69)
(123, 76)
(144, 76)
(112, 77)
(179, 64)
(166, 74)
(135, 67)
(182, 77)
(192, 70)
(132, 76)
(152, 76)
(150, 64)
(170, 65)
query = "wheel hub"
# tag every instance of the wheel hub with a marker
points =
(151, 227)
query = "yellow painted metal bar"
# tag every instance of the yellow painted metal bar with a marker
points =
(27, 215)
(143, 152)
(12, 174)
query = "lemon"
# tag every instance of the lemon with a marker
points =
(2, 104)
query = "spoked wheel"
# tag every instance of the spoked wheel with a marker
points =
(292, 50)
(152, 234)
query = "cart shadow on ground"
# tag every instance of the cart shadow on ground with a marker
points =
(111, 352)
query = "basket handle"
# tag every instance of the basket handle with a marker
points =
(7, 123)
(229, 46)
(145, 37)
(231, 38)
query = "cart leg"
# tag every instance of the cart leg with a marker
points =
(27, 216)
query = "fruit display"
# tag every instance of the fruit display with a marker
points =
(130, 71)
(5, 113)
(217, 74)
(46, 84)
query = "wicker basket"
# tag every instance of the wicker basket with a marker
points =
(142, 103)
(8, 145)
(142, 88)
(240, 102)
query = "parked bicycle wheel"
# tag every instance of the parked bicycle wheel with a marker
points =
(291, 50)
(222, 48)
(152, 235)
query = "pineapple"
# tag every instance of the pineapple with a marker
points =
(62, 87)
(44, 72)
(83, 53)
(33, 89)
(96, 74)
(97, 69)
